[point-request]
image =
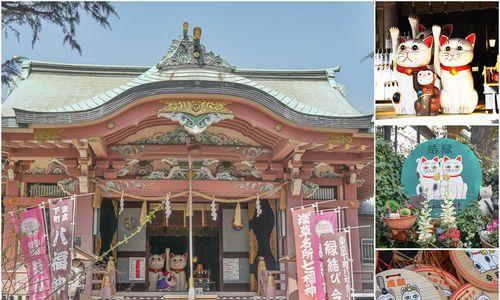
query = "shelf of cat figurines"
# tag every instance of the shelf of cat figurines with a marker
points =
(385, 83)
(490, 89)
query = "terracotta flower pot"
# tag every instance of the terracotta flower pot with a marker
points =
(484, 243)
(400, 224)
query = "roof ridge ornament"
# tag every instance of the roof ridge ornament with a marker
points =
(187, 52)
(330, 75)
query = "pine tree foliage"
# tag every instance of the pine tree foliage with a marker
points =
(34, 14)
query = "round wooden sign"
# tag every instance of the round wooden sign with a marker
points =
(478, 267)
(440, 168)
(442, 280)
(470, 292)
(402, 284)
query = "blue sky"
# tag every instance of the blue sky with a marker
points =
(251, 35)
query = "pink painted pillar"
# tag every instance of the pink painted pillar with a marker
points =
(9, 244)
(351, 219)
(84, 219)
(291, 268)
(12, 190)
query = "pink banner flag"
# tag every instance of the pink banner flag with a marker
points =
(336, 265)
(306, 277)
(31, 228)
(61, 243)
(321, 222)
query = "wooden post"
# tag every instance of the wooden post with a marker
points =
(351, 217)
(291, 268)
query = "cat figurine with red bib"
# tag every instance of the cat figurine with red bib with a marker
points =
(451, 63)
(410, 56)
(176, 264)
(155, 265)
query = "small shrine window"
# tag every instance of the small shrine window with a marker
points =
(324, 193)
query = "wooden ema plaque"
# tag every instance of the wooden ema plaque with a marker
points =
(402, 284)
(442, 280)
(478, 267)
(470, 292)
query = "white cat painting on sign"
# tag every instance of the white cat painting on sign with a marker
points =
(429, 175)
(453, 185)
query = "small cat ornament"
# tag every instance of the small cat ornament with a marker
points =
(427, 103)
(487, 204)
(451, 63)
(410, 57)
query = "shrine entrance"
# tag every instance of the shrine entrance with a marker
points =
(205, 253)
(173, 233)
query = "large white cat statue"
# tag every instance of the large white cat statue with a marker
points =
(155, 265)
(410, 56)
(451, 63)
(177, 265)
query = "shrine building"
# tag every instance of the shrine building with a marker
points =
(113, 132)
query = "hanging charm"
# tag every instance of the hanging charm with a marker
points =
(122, 204)
(258, 209)
(168, 210)
(213, 209)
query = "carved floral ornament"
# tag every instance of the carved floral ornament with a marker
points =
(54, 167)
(42, 134)
(181, 137)
(175, 169)
(195, 115)
(345, 140)
(195, 107)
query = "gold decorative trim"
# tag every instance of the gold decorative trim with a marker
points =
(195, 107)
(42, 134)
(341, 139)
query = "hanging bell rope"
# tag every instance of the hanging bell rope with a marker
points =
(282, 199)
(237, 216)
(96, 200)
(144, 212)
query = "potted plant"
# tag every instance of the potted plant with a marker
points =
(450, 238)
(489, 236)
(399, 218)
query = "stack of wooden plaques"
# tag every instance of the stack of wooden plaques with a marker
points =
(442, 280)
(403, 284)
(477, 270)
(476, 278)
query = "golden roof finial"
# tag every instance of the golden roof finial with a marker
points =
(197, 33)
(185, 27)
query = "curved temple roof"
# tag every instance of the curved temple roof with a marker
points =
(51, 93)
